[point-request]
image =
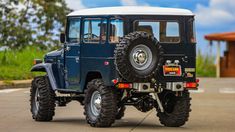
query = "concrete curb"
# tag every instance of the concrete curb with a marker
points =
(15, 84)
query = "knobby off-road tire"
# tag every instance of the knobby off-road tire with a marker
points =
(176, 109)
(104, 114)
(120, 112)
(138, 57)
(42, 99)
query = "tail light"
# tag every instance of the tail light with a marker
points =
(124, 85)
(191, 85)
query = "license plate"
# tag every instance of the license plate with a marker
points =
(171, 70)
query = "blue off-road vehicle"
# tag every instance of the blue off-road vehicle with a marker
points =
(117, 56)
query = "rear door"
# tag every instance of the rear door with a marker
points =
(72, 54)
(170, 33)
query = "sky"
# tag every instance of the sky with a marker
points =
(212, 16)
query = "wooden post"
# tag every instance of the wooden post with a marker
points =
(218, 60)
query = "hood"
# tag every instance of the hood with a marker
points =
(54, 53)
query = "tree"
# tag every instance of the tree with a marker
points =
(51, 16)
(31, 22)
(14, 30)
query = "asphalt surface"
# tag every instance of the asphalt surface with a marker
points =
(213, 109)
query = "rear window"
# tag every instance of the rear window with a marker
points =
(163, 31)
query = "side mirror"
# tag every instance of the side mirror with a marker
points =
(62, 38)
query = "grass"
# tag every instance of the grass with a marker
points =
(205, 65)
(16, 65)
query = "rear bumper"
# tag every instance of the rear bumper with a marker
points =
(150, 88)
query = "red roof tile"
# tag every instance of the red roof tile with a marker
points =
(228, 36)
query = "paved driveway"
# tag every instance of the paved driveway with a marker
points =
(213, 109)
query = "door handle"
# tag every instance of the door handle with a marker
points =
(68, 48)
(77, 59)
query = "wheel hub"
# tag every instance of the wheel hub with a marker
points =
(95, 103)
(141, 57)
(36, 99)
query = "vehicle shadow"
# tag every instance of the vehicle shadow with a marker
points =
(124, 123)
(146, 126)
(76, 121)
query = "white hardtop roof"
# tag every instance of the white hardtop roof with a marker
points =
(131, 10)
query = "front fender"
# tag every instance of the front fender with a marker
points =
(46, 67)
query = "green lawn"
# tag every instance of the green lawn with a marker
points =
(16, 65)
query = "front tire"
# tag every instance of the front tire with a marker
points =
(100, 104)
(176, 109)
(42, 99)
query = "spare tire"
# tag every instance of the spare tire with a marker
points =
(138, 57)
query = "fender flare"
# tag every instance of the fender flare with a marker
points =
(46, 67)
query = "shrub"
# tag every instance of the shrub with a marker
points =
(16, 64)
(205, 65)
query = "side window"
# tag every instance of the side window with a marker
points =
(103, 30)
(74, 30)
(192, 34)
(115, 30)
(172, 29)
(94, 31)
(169, 32)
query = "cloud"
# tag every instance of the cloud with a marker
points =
(217, 13)
(129, 2)
(75, 4)
(133, 3)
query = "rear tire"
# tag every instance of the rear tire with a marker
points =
(176, 109)
(120, 113)
(42, 99)
(138, 57)
(100, 104)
